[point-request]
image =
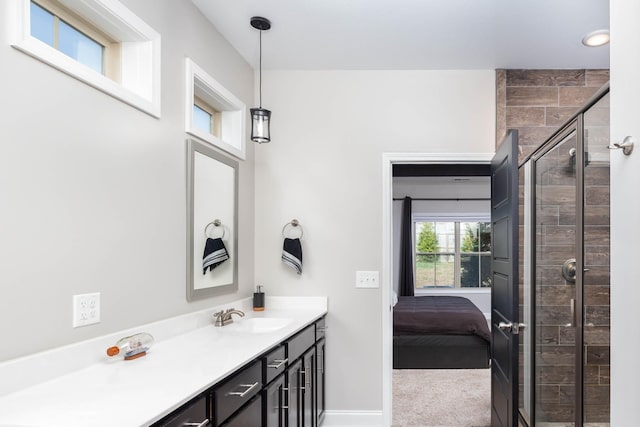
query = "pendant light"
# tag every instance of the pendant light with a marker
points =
(260, 117)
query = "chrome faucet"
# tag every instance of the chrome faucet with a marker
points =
(224, 318)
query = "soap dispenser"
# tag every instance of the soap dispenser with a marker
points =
(258, 299)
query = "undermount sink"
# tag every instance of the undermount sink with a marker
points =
(261, 324)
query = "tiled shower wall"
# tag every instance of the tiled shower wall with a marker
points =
(537, 103)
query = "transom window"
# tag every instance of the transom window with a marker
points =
(212, 112)
(206, 118)
(452, 254)
(99, 42)
(71, 35)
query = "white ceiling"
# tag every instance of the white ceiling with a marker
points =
(414, 34)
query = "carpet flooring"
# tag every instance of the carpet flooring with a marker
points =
(441, 397)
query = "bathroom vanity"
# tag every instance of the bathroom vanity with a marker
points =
(282, 386)
(261, 370)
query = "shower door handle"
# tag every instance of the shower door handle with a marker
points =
(572, 303)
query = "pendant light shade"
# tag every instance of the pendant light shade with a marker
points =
(260, 117)
(260, 120)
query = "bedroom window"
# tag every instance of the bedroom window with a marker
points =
(452, 254)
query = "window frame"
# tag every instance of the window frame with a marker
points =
(135, 45)
(457, 254)
(228, 111)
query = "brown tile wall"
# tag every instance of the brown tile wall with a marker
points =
(537, 102)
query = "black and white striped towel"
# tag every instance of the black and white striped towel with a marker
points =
(214, 254)
(292, 254)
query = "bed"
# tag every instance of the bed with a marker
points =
(444, 332)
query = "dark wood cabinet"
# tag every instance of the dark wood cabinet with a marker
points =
(275, 363)
(236, 391)
(275, 403)
(193, 413)
(294, 380)
(249, 416)
(320, 381)
(284, 387)
(307, 397)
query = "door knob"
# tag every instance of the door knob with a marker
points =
(505, 326)
(514, 328)
(569, 270)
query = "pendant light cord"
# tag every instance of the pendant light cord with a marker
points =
(260, 70)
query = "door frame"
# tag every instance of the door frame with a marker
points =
(386, 277)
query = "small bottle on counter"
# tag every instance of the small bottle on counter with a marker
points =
(133, 346)
(258, 299)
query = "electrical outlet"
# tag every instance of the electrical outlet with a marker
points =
(367, 279)
(86, 309)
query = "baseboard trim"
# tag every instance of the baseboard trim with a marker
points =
(352, 418)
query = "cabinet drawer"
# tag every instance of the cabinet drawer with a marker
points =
(320, 328)
(194, 414)
(275, 362)
(236, 391)
(249, 416)
(301, 342)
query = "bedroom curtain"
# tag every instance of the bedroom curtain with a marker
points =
(406, 251)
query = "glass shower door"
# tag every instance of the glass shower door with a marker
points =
(554, 232)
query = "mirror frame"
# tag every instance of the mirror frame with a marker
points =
(194, 146)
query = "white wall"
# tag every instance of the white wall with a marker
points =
(324, 167)
(93, 192)
(625, 212)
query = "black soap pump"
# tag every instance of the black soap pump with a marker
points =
(258, 299)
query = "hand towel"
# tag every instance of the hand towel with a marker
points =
(214, 254)
(292, 254)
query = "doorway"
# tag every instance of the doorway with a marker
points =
(389, 160)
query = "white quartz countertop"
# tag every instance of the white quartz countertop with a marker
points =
(114, 392)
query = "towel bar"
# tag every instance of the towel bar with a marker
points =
(294, 223)
(215, 223)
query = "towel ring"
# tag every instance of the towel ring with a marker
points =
(294, 223)
(215, 223)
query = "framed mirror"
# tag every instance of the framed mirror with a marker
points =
(212, 218)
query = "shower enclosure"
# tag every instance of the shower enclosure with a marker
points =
(564, 274)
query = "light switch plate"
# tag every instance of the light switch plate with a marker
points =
(367, 279)
(86, 309)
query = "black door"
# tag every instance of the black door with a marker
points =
(504, 295)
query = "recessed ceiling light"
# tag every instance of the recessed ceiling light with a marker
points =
(596, 38)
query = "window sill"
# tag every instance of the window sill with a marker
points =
(60, 61)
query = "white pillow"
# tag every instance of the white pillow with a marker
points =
(395, 298)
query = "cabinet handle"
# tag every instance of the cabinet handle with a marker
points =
(244, 393)
(307, 378)
(282, 396)
(202, 424)
(301, 379)
(320, 362)
(278, 363)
